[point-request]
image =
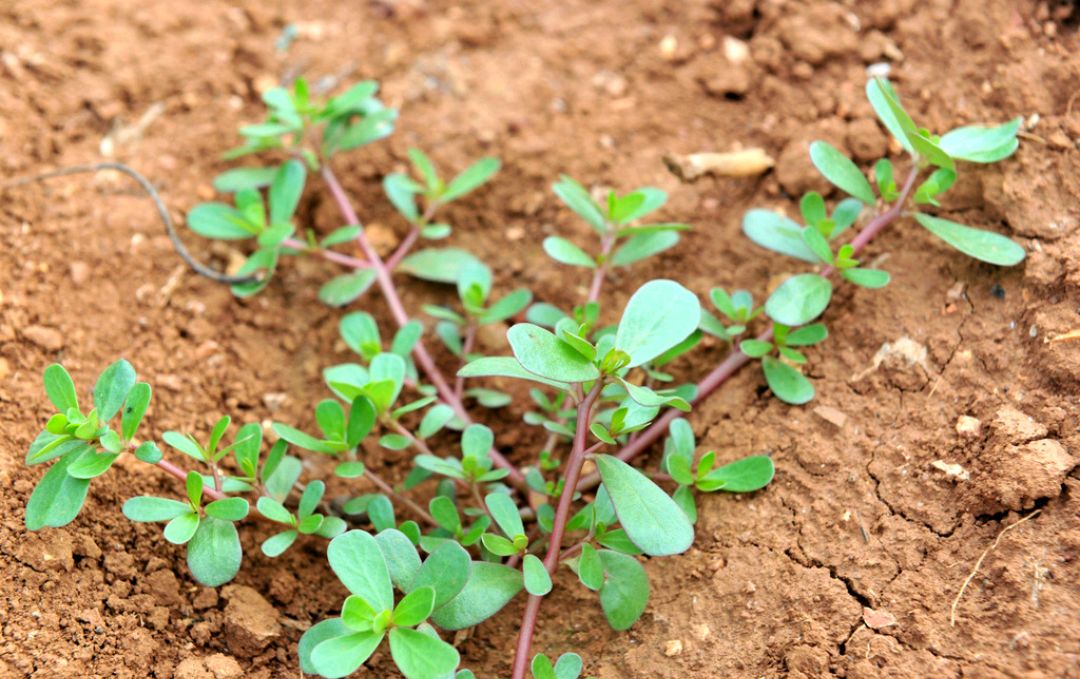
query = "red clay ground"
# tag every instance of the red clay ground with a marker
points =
(777, 583)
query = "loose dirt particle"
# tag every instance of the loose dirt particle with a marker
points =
(833, 416)
(673, 647)
(49, 339)
(968, 427)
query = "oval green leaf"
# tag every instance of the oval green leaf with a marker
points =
(540, 352)
(984, 246)
(840, 171)
(799, 300)
(650, 517)
(658, 316)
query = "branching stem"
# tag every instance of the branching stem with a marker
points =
(736, 360)
(397, 309)
(562, 515)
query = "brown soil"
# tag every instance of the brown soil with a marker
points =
(778, 584)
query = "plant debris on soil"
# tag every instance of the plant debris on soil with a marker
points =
(846, 565)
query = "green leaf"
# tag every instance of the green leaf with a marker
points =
(446, 570)
(420, 656)
(194, 486)
(776, 232)
(229, 509)
(112, 388)
(358, 614)
(886, 104)
(60, 388)
(867, 278)
(340, 656)
(285, 190)
(424, 167)
(817, 243)
(979, 144)
(400, 555)
(590, 568)
(506, 366)
(48, 446)
(316, 634)
(490, 587)
(445, 513)
(274, 510)
(264, 260)
(800, 299)
(184, 443)
(439, 265)
(471, 179)
(343, 289)
(357, 560)
(637, 248)
(658, 316)
(306, 441)
(435, 419)
(651, 399)
(638, 204)
(650, 517)
(402, 194)
(330, 417)
(569, 666)
(90, 464)
(280, 483)
(807, 335)
(361, 334)
(840, 171)
(742, 476)
(148, 452)
(415, 607)
(565, 252)
(242, 178)
(575, 197)
(625, 591)
(476, 440)
(138, 399)
(542, 668)
(932, 152)
(57, 498)
(220, 221)
(505, 512)
(542, 353)
(510, 305)
(362, 416)
(537, 580)
(789, 385)
(984, 246)
(181, 529)
(344, 234)
(151, 509)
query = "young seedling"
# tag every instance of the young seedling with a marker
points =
(601, 393)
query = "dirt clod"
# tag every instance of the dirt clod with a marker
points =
(251, 622)
(49, 339)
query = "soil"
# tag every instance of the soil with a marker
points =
(847, 565)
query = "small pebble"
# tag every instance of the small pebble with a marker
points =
(673, 647)
(968, 427)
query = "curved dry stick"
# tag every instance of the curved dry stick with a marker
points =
(197, 266)
(978, 564)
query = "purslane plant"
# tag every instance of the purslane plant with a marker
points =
(602, 394)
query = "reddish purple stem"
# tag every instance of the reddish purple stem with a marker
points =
(397, 309)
